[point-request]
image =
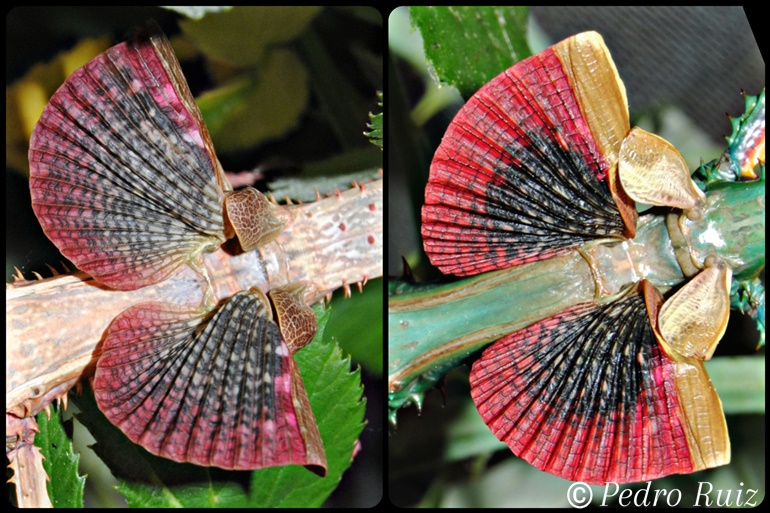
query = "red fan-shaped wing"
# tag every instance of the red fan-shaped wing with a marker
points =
(526, 168)
(591, 395)
(124, 179)
(220, 392)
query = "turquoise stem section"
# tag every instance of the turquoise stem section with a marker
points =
(446, 323)
(431, 329)
(732, 228)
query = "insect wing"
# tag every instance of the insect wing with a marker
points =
(526, 170)
(654, 172)
(295, 318)
(124, 179)
(221, 392)
(590, 395)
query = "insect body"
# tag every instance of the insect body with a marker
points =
(54, 327)
(126, 183)
(592, 375)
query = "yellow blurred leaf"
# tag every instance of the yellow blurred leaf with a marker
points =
(26, 98)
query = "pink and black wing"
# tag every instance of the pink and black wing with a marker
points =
(222, 391)
(124, 179)
(592, 394)
(526, 170)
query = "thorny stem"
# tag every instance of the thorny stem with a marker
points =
(54, 326)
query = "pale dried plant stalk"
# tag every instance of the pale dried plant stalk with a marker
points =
(54, 326)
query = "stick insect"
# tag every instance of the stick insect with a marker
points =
(490, 204)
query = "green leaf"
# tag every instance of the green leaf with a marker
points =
(356, 323)
(375, 126)
(335, 395)
(740, 383)
(469, 437)
(468, 46)
(257, 107)
(242, 35)
(65, 487)
(149, 481)
(304, 188)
